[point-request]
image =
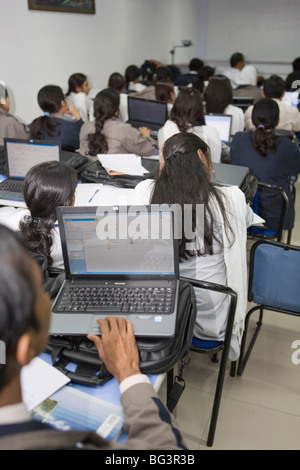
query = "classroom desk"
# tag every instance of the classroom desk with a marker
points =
(223, 173)
(83, 407)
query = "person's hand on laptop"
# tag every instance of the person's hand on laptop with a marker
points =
(117, 347)
(145, 131)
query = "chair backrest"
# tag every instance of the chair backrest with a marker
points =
(266, 232)
(274, 273)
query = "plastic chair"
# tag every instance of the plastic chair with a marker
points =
(213, 347)
(274, 273)
(261, 232)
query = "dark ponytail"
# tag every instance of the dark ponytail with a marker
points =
(265, 117)
(46, 186)
(49, 99)
(106, 105)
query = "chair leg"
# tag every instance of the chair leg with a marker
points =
(244, 357)
(233, 368)
(217, 399)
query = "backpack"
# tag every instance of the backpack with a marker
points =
(157, 355)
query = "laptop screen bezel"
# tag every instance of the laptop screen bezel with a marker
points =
(73, 210)
(8, 140)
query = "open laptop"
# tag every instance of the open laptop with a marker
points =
(222, 123)
(120, 261)
(243, 102)
(291, 98)
(21, 155)
(150, 113)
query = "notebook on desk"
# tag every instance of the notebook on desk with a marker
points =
(222, 123)
(150, 113)
(120, 261)
(21, 155)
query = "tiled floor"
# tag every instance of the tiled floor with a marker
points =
(261, 409)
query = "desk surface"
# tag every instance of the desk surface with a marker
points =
(228, 174)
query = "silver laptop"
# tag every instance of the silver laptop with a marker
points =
(21, 155)
(120, 261)
(150, 113)
(222, 123)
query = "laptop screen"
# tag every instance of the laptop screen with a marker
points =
(118, 242)
(221, 122)
(291, 98)
(22, 155)
(147, 110)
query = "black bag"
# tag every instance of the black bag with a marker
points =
(249, 187)
(53, 278)
(157, 355)
(95, 173)
(74, 160)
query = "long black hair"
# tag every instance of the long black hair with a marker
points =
(75, 80)
(265, 117)
(187, 110)
(106, 105)
(185, 179)
(49, 99)
(218, 94)
(46, 186)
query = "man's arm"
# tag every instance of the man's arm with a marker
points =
(146, 420)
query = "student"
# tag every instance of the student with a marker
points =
(218, 100)
(60, 122)
(117, 82)
(77, 95)
(107, 134)
(25, 320)
(289, 116)
(272, 159)
(10, 127)
(219, 256)
(187, 116)
(292, 81)
(164, 91)
(46, 186)
(188, 78)
(132, 77)
(237, 63)
(246, 84)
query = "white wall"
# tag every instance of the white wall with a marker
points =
(39, 48)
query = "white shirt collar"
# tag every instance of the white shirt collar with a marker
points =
(14, 414)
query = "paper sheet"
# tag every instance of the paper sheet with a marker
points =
(39, 381)
(129, 164)
(86, 195)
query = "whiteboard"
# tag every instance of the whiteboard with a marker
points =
(263, 30)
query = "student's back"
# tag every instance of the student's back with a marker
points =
(10, 127)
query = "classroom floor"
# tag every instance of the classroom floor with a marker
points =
(261, 409)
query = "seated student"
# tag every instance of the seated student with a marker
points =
(190, 77)
(291, 81)
(289, 116)
(117, 82)
(132, 77)
(10, 127)
(237, 63)
(107, 134)
(25, 320)
(46, 186)
(218, 100)
(219, 256)
(246, 84)
(164, 91)
(77, 95)
(57, 123)
(272, 159)
(187, 116)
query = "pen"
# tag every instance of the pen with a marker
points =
(97, 191)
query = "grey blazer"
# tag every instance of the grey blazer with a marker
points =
(121, 138)
(11, 128)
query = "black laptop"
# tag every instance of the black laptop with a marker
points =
(21, 155)
(120, 261)
(150, 113)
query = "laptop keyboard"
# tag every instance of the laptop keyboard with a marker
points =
(13, 186)
(119, 300)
